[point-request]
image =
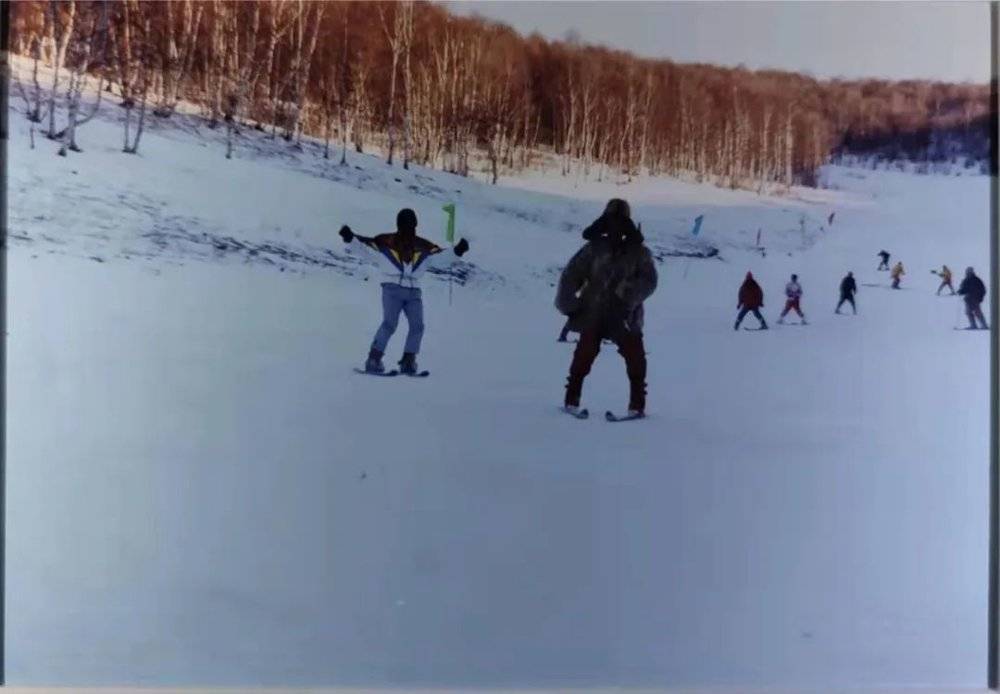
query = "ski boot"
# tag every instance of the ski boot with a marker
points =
(374, 362)
(408, 364)
(576, 411)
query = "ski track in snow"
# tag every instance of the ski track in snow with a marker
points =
(196, 476)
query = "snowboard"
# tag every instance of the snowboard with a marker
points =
(384, 374)
(393, 372)
(612, 417)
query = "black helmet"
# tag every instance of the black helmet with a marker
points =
(406, 220)
(617, 207)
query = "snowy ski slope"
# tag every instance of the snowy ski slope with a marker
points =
(201, 490)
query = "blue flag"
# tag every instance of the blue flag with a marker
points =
(697, 225)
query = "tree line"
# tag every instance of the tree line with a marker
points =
(457, 93)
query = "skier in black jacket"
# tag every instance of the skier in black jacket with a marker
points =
(973, 291)
(884, 255)
(594, 231)
(602, 290)
(848, 288)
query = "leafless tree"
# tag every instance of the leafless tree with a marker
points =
(141, 89)
(90, 49)
(62, 24)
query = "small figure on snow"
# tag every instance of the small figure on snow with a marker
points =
(403, 257)
(897, 274)
(973, 291)
(848, 288)
(793, 295)
(945, 275)
(884, 255)
(750, 300)
(602, 290)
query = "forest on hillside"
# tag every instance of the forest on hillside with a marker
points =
(461, 94)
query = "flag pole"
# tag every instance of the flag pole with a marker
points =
(694, 233)
(449, 235)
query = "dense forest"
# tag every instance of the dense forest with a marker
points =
(463, 94)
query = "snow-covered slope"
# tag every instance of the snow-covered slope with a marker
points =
(200, 489)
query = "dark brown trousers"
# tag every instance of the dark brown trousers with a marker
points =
(629, 345)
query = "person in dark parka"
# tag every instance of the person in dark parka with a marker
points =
(848, 288)
(973, 291)
(602, 290)
(750, 300)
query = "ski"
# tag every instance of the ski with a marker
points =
(579, 414)
(986, 329)
(612, 417)
(419, 374)
(755, 329)
(384, 374)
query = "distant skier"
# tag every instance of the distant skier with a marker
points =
(897, 274)
(973, 291)
(750, 300)
(602, 290)
(945, 275)
(403, 258)
(793, 295)
(884, 255)
(848, 288)
(829, 219)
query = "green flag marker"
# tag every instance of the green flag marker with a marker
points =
(449, 233)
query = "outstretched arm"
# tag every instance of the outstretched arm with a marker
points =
(365, 242)
(439, 257)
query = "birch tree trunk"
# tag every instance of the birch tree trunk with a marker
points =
(62, 33)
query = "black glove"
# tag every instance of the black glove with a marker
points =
(461, 248)
(346, 233)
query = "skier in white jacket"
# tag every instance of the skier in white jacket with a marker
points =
(793, 294)
(403, 257)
